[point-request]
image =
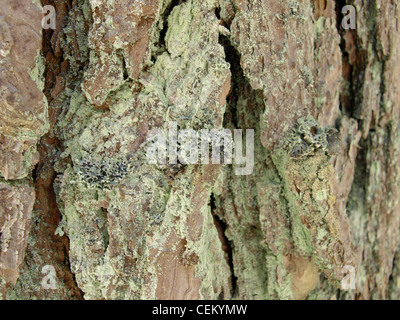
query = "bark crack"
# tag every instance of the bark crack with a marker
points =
(160, 45)
(44, 174)
(221, 227)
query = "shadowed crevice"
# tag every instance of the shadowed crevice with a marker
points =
(220, 225)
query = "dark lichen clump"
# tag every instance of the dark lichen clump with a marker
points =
(102, 172)
(308, 137)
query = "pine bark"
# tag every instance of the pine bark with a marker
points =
(77, 193)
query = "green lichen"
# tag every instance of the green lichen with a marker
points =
(300, 234)
(319, 28)
(307, 185)
(37, 75)
(279, 279)
(37, 72)
(179, 34)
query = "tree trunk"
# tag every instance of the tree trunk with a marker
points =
(317, 218)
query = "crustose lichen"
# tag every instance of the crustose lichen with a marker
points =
(101, 172)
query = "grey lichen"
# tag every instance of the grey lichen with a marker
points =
(102, 172)
(308, 137)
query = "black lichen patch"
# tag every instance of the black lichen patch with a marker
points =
(308, 137)
(102, 172)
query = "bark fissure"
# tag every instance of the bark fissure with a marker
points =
(160, 44)
(244, 110)
(50, 249)
(226, 244)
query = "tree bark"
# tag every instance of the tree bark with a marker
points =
(77, 193)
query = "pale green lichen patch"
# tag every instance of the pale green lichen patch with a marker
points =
(178, 34)
(37, 72)
(41, 118)
(309, 182)
(319, 27)
(143, 193)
